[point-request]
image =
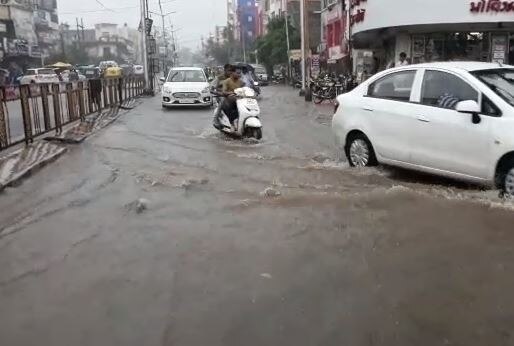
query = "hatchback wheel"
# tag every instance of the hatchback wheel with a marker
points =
(359, 151)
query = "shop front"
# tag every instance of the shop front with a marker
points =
(427, 31)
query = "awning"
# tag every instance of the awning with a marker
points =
(62, 65)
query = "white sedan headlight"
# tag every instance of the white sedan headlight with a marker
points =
(206, 90)
(166, 89)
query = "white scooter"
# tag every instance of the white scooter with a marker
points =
(248, 124)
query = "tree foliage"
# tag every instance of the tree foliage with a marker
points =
(272, 47)
(224, 51)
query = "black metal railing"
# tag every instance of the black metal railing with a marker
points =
(29, 111)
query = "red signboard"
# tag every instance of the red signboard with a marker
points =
(359, 15)
(491, 6)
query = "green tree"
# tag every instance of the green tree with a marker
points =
(272, 47)
(226, 51)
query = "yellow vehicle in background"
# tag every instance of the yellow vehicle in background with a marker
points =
(111, 69)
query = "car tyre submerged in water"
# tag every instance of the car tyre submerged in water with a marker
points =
(359, 151)
(505, 178)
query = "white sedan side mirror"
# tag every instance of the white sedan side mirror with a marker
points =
(469, 106)
(162, 79)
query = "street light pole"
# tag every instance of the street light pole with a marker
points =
(145, 44)
(288, 45)
(304, 57)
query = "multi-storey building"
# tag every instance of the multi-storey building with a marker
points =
(334, 33)
(28, 31)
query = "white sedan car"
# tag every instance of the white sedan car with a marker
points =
(39, 76)
(186, 86)
(453, 119)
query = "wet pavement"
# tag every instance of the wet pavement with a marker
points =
(160, 231)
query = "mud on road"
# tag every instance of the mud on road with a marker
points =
(160, 231)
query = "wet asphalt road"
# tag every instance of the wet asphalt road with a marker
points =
(341, 257)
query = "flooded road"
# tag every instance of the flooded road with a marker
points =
(160, 231)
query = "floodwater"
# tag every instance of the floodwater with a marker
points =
(160, 231)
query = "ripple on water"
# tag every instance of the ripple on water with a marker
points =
(488, 198)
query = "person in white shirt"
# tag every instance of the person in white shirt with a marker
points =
(403, 60)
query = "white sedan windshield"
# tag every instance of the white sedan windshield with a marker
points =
(186, 76)
(501, 81)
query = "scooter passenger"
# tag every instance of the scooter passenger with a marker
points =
(216, 89)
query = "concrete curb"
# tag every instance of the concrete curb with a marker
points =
(45, 151)
(14, 178)
(106, 118)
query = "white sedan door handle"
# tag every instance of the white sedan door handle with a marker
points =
(423, 119)
(368, 109)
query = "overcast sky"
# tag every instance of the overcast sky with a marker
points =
(194, 18)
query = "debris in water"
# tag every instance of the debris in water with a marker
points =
(271, 192)
(191, 182)
(139, 205)
(267, 276)
(321, 158)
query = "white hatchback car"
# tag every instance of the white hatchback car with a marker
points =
(454, 119)
(186, 86)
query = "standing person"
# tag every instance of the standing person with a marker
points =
(403, 60)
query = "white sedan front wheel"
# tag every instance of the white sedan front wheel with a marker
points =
(508, 183)
(359, 151)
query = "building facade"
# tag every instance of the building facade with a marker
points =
(246, 21)
(335, 48)
(276, 8)
(106, 41)
(437, 30)
(28, 31)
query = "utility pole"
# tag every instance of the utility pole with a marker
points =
(288, 44)
(242, 30)
(164, 60)
(145, 45)
(304, 55)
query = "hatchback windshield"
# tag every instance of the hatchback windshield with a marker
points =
(501, 81)
(185, 76)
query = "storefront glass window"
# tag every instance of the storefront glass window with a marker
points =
(450, 47)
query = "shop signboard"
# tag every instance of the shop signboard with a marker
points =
(335, 53)
(315, 66)
(375, 14)
(499, 46)
(491, 6)
(295, 54)
(358, 14)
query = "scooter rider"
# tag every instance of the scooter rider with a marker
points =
(229, 104)
(216, 89)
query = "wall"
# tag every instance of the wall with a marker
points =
(392, 13)
(111, 29)
(24, 24)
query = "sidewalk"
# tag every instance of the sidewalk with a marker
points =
(20, 163)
